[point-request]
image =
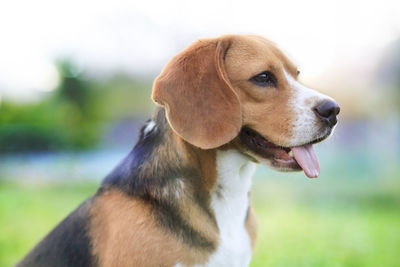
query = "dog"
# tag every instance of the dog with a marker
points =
(182, 195)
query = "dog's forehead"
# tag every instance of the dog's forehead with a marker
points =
(252, 54)
(255, 45)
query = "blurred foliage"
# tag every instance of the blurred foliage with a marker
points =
(74, 115)
(388, 74)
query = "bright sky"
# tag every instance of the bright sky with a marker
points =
(140, 36)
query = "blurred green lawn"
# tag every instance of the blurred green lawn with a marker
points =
(302, 222)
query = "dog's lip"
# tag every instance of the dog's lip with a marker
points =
(263, 147)
(270, 144)
(282, 157)
(315, 141)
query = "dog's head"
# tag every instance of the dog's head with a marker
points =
(241, 87)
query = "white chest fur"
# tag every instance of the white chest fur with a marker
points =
(230, 203)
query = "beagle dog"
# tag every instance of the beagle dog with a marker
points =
(182, 195)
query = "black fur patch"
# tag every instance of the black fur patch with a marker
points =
(171, 219)
(141, 175)
(130, 175)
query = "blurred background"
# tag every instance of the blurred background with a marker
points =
(75, 85)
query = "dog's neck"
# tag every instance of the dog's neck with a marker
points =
(161, 159)
(186, 184)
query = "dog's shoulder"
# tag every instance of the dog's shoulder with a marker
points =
(124, 230)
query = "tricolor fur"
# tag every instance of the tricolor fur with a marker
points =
(182, 195)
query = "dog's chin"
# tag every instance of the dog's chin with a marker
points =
(277, 157)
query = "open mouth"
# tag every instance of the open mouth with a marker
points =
(287, 158)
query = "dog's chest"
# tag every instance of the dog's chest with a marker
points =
(230, 203)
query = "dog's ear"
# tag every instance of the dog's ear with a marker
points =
(200, 103)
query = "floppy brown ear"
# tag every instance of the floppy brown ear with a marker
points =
(199, 101)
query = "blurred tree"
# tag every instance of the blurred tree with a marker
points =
(73, 102)
(74, 116)
(61, 121)
(73, 87)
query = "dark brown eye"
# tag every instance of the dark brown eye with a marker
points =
(298, 72)
(265, 79)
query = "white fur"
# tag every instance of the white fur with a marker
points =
(305, 124)
(176, 188)
(149, 127)
(230, 205)
(230, 202)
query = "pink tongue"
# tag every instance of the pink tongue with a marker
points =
(307, 159)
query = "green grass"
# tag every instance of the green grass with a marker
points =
(313, 228)
(29, 211)
(302, 222)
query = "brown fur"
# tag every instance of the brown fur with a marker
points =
(258, 55)
(124, 231)
(198, 97)
(252, 225)
(207, 96)
(211, 97)
(220, 66)
(205, 161)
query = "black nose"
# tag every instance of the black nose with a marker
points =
(328, 111)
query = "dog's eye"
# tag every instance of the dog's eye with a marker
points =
(266, 79)
(298, 72)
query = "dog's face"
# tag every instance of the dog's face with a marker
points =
(243, 88)
(278, 112)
